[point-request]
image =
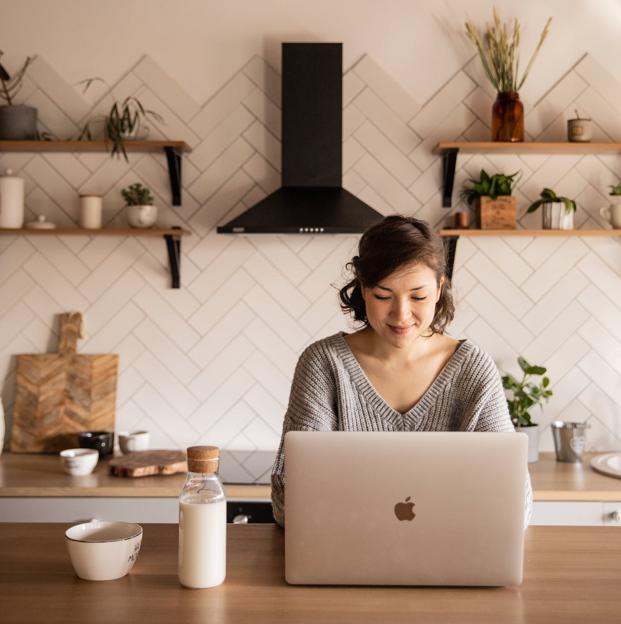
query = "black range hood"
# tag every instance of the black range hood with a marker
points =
(311, 199)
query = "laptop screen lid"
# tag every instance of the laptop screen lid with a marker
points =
(404, 508)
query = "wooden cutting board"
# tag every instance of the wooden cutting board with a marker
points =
(58, 395)
(145, 463)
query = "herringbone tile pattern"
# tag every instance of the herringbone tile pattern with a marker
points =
(213, 362)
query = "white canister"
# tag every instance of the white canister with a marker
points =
(11, 201)
(91, 210)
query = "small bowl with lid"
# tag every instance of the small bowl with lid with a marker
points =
(103, 551)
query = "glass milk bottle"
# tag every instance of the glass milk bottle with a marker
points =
(202, 521)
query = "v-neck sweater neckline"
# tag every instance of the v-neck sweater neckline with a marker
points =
(424, 403)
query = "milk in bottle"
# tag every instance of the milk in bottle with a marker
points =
(202, 521)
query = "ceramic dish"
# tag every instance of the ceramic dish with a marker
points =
(103, 551)
(608, 464)
(79, 461)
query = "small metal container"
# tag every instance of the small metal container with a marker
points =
(569, 440)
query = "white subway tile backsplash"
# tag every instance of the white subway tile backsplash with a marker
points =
(213, 361)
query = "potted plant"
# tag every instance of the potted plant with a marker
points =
(18, 122)
(125, 120)
(526, 395)
(497, 207)
(558, 212)
(612, 213)
(498, 49)
(141, 213)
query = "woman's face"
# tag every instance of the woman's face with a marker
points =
(402, 306)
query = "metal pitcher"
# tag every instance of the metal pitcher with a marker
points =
(569, 440)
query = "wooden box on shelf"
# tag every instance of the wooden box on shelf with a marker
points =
(499, 213)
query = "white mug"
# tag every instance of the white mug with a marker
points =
(91, 208)
(612, 214)
(130, 441)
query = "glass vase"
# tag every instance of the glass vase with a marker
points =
(508, 118)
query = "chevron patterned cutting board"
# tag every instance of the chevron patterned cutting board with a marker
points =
(60, 394)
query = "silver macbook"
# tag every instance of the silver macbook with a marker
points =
(402, 508)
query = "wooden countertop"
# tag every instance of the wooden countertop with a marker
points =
(37, 475)
(571, 574)
(41, 475)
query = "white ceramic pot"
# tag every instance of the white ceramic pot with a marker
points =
(141, 216)
(557, 217)
(130, 441)
(79, 461)
(533, 441)
(612, 214)
(103, 551)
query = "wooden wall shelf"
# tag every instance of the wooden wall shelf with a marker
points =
(172, 237)
(173, 231)
(473, 232)
(450, 150)
(528, 147)
(451, 236)
(172, 150)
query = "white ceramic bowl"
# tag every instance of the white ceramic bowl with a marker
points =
(79, 461)
(103, 551)
(130, 441)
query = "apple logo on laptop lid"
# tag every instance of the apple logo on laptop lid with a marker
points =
(405, 510)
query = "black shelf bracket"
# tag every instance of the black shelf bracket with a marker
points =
(173, 245)
(449, 161)
(174, 171)
(450, 249)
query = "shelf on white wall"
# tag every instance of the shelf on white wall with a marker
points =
(172, 237)
(172, 149)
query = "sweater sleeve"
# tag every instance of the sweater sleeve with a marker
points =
(491, 413)
(312, 407)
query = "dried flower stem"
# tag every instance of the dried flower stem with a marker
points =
(498, 50)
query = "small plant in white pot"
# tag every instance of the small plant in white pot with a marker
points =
(141, 213)
(526, 395)
(558, 212)
(612, 212)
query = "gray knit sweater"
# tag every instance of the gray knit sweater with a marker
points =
(330, 392)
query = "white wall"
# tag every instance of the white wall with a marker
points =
(204, 363)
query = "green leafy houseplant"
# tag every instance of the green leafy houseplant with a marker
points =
(525, 393)
(615, 190)
(548, 196)
(137, 195)
(488, 186)
(498, 50)
(124, 120)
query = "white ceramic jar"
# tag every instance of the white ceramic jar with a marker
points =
(11, 201)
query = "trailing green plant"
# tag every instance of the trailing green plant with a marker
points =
(498, 48)
(615, 189)
(12, 86)
(122, 121)
(137, 195)
(549, 196)
(525, 393)
(486, 185)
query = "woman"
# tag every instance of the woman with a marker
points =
(399, 372)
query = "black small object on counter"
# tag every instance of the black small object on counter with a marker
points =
(103, 441)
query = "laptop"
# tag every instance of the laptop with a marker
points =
(404, 508)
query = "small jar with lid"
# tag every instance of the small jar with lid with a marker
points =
(202, 521)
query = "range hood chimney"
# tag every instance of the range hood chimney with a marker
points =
(311, 199)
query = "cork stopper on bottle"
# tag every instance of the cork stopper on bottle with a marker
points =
(203, 458)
